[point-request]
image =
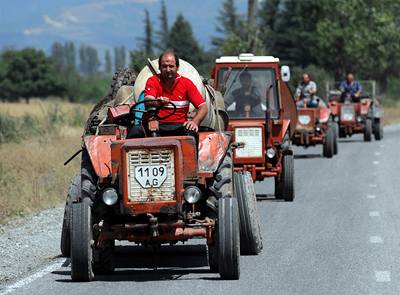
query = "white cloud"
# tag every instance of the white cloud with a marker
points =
(53, 23)
(33, 31)
(69, 17)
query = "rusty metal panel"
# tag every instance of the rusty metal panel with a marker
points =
(99, 149)
(289, 110)
(212, 149)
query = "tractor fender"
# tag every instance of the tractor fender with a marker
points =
(99, 150)
(324, 114)
(213, 147)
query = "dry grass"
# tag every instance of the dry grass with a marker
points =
(32, 175)
(392, 114)
(40, 108)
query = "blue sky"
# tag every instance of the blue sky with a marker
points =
(102, 23)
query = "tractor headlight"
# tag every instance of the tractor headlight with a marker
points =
(192, 194)
(271, 153)
(318, 129)
(359, 119)
(110, 196)
(336, 119)
(304, 119)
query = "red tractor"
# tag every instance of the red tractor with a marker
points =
(361, 115)
(156, 190)
(262, 117)
(315, 125)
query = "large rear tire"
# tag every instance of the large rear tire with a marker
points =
(287, 178)
(74, 194)
(368, 130)
(81, 242)
(329, 145)
(250, 232)
(228, 239)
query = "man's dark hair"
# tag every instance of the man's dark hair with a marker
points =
(245, 74)
(168, 52)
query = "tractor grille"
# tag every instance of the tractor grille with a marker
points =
(253, 142)
(347, 113)
(305, 120)
(151, 175)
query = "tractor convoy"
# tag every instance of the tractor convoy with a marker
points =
(161, 190)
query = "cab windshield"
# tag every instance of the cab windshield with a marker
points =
(248, 92)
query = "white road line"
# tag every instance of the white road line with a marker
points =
(374, 213)
(375, 240)
(21, 283)
(375, 162)
(371, 196)
(377, 153)
(373, 185)
(382, 276)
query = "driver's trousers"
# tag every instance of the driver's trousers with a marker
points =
(165, 129)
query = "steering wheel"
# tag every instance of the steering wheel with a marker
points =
(153, 111)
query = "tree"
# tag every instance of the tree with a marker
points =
(119, 57)
(162, 34)
(183, 42)
(28, 73)
(70, 56)
(228, 22)
(107, 59)
(57, 54)
(148, 35)
(89, 60)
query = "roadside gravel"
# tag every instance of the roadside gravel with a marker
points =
(28, 244)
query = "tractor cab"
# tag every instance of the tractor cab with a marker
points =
(262, 116)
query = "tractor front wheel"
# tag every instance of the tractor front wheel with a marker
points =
(228, 239)
(378, 129)
(81, 242)
(329, 145)
(287, 177)
(250, 232)
(368, 130)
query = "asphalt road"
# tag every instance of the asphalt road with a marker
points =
(341, 235)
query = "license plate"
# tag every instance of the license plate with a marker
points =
(151, 176)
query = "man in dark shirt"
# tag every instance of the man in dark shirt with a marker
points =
(350, 87)
(247, 97)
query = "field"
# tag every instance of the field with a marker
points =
(35, 140)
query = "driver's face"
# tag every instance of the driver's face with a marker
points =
(168, 67)
(245, 81)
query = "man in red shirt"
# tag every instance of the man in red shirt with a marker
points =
(169, 86)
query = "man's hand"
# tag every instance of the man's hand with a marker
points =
(164, 100)
(190, 125)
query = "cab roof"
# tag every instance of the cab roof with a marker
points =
(247, 57)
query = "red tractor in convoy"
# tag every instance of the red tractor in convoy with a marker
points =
(315, 125)
(156, 190)
(362, 115)
(262, 117)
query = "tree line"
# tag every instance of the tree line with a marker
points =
(326, 38)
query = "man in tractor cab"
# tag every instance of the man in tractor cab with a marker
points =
(350, 87)
(306, 90)
(247, 98)
(169, 88)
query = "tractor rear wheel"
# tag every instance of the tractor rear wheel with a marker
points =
(81, 242)
(287, 178)
(228, 239)
(250, 232)
(74, 193)
(378, 129)
(368, 130)
(329, 145)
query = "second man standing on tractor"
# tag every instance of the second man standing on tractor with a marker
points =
(169, 88)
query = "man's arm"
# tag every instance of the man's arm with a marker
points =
(198, 101)
(313, 88)
(298, 92)
(358, 92)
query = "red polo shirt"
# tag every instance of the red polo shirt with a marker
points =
(182, 93)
